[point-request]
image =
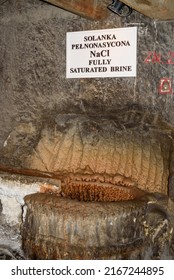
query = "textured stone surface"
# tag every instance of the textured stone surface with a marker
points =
(32, 59)
(34, 90)
(58, 228)
(91, 9)
(10, 236)
(94, 153)
(130, 147)
(10, 241)
(18, 186)
(163, 9)
(33, 83)
(13, 189)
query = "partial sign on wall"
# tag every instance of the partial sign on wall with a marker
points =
(102, 53)
(165, 86)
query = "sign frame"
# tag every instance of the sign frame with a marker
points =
(102, 53)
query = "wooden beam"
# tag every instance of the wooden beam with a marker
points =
(163, 9)
(97, 9)
(92, 9)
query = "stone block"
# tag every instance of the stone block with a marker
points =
(61, 228)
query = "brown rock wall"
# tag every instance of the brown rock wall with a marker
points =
(59, 228)
(91, 151)
(79, 230)
(39, 108)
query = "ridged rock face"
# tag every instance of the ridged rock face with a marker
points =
(61, 228)
(106, 159)
(163, 9)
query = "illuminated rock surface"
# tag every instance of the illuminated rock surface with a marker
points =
(123, 155)
(85, 133)
(59, 228)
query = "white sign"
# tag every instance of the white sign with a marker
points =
(102, 53)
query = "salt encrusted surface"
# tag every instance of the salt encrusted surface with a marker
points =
(59, 228)
(33, 86)
(13, 189)
(33, 65)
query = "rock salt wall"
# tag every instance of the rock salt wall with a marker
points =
(34, 92)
